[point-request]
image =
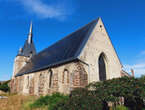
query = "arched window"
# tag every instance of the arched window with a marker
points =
(50, 78)
(27, 82)
(41, 84)
(102, 67)
(65, 76)
(40, 77)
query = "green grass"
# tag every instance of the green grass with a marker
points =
(48, 102)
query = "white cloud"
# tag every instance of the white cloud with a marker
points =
(143, 53)
(138, 66)
(43, 10)
(139, 69)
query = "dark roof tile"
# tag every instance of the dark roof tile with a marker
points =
(67, 49)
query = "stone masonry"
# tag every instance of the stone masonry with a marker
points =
(65, 77)
(40, 83)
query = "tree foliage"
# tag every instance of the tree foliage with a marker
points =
(80, 99)
(48, 101)
(97, 95)
(132, 89)
(5, 87)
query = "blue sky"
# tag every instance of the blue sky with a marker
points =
(54, 19)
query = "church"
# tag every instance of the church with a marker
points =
(82, 57)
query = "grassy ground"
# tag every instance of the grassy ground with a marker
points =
(21, 102)
(16, 102)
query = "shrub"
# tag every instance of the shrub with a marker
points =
(80, 99)
(49, 101)
(132, 89)
(4, 87)
(119, 107)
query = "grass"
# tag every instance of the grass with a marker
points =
(16, 102)
(21, 102)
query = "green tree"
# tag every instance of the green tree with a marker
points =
(4, 87)
(132, 89)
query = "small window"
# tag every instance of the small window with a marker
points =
(50, 78)
(65, 76)
(27, 82)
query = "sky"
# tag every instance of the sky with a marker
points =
(54, 19)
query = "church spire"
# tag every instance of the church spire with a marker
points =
(30, 35)
(28, 49)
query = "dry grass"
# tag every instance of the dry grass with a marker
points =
(16, 102)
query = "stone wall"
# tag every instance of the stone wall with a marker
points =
(97, 44)
(19, 63)
(62, 79)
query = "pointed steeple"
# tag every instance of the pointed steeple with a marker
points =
(28, 49)
(30, 35)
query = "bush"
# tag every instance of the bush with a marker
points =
(120, 108)
(132, 89)
(49, 101)
(4, 87)
(80, 99)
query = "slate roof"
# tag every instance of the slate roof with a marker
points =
(66, 50)
(28, 49)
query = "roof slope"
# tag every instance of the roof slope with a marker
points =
(65, 50)
(28, 49)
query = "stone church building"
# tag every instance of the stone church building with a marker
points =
(82, 57)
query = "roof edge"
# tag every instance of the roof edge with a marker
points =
(79, 51)
(48, 66)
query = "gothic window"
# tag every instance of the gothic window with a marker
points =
(41, 84)
(63, 74)
(40, 77)
(102, 67)
(65, 77)
(27, 82)
(50, 78)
